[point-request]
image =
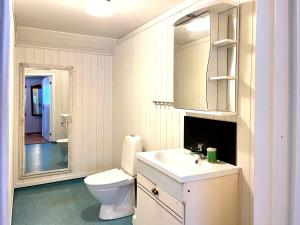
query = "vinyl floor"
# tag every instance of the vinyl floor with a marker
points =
(44, 157)
(62, 203)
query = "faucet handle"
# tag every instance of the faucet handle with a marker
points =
(200, 147)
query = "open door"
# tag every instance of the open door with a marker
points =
(46, 110)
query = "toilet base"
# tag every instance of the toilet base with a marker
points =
(109, 212)
(66, 158)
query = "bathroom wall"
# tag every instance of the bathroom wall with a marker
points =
(91, 84)
(143, 72)
(33, 124)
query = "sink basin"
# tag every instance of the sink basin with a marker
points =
(183, 166)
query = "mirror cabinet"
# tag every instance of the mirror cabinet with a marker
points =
(205, 59)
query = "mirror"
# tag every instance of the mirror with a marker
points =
(45, 105)
(36, 100)
(191, 56)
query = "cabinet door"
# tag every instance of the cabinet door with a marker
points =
(146, 209)
(150, 212)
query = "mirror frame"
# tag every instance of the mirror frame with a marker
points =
(21, 124)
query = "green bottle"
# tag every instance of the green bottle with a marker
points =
(212, 155)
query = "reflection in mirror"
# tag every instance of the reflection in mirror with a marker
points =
(191, 56)
(46, 109)
(36, 100)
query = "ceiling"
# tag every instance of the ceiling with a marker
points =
(70, 16)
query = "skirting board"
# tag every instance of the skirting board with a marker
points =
(54, 179)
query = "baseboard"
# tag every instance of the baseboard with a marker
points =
(52, 179)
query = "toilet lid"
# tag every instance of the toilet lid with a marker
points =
(110, 177)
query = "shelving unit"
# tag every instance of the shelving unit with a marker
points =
(211, 113)
(225, 43)
(222, 78)
(222, 75)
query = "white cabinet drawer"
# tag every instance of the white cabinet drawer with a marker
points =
(150, 211)
(174, 188)
(153, 189)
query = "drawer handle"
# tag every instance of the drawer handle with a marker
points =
(154, 191)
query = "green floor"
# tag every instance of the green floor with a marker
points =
(63, 203)
(44, 157)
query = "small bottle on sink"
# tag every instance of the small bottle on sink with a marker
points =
(212, 155)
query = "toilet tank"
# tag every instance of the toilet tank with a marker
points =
(131, 145)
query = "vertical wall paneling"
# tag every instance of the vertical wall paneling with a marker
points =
(91, 102)
(100, 113)
(143, 72)
(86, 97)
(107, 104)
(93, 114)
(245, 106)
(78, 133)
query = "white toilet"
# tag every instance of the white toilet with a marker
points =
(63, 144)
(115, 189)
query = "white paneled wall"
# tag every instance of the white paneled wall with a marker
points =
(92, 108)
(143, 72)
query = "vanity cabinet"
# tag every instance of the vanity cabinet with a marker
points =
(162, 200)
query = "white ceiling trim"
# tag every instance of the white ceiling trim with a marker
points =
(52, 39)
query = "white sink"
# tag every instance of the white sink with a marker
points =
(181, 165)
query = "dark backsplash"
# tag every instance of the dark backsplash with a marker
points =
(212, 133)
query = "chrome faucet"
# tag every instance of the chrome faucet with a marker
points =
(200, 151)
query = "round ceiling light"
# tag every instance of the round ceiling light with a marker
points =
(100, 8)
(199, 24)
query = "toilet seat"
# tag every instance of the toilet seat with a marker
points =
(109, 179)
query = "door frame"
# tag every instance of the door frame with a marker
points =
(277, 113)
(52, 103)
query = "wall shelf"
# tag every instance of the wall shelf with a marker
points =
(222, 72)
(225, 43)
(211, 113)
(222, 78)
